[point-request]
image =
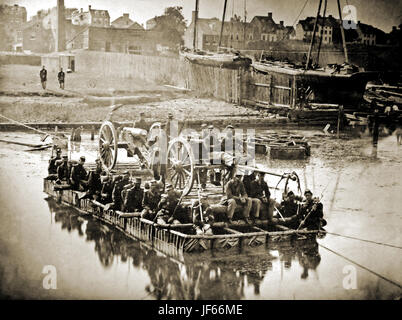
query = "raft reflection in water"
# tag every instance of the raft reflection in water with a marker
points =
(203, 276)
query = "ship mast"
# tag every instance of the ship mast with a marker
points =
(223, 22)
(313, 37)
(343, 33)
(195, 26)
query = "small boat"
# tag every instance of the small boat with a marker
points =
(214, 59)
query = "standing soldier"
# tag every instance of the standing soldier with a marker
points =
(43, 77)
(60, 77)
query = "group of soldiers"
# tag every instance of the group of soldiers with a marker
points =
(247, 196)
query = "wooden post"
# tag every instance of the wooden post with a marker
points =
(340, 121)
(376, 126)
(92, 133)
(195, 26)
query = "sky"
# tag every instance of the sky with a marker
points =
(381, 13)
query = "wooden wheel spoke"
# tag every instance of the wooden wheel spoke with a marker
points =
(187, 172)
(177, 179)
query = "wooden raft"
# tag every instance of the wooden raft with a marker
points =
(180, 238)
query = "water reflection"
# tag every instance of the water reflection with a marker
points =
(198, 276)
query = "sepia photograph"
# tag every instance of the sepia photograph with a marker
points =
(181, 151)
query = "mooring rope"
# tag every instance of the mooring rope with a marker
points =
(22, 124)
(364, 240)
(363, 267)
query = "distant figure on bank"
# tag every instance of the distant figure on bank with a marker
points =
(60, 77)
(43, 77)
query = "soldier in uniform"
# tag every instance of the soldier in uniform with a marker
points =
(236, 196)
(117, 190)
(150, 201)
(78, 176)
(133, 198)
(259, 190)
(141, 124)
(312, 212)
(43, 77)
(63, 173)
(60, 77)
(52, 168)
(107, 189)
(94, 183)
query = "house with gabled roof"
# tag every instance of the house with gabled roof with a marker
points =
(124, 22)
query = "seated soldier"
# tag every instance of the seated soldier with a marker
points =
(259, 190)
(312, 212)
(117, 190)
(256, 202)
(52, 168)
(290, 205)
(133, 198)
(150, 201)
(94, 183)
(236, 196)
(205, 209)
(63, 173)
(107, 189)
(78, 177)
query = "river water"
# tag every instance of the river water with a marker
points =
(361, 197)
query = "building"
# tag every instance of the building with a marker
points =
(367, 34)
(263, 28)
(328, 27)
(207, 34)
(124, 22)
(12, 20)
(92, 17)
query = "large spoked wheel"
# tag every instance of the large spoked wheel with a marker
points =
(180, 165)
(108, 145)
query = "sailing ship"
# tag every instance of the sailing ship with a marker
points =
(331, 85)
(223, 58)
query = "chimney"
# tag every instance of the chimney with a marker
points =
(60, 32)
(89, 8)
(281, 23)
(81, 10)
(125, 15)
(270, 15)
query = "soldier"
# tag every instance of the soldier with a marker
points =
(207, 215)
(63, 171)
(259, 190)
(52, 168)
(94, 183)
(141, 124)
(117, 190)
(236, 196)
(133, 199)
(107, 189)
(311, 212)
(150, 201)
(60, 77)
(78, 177)
(43, 77)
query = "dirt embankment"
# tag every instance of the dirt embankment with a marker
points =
(87, 98)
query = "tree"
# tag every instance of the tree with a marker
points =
(172, 26)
